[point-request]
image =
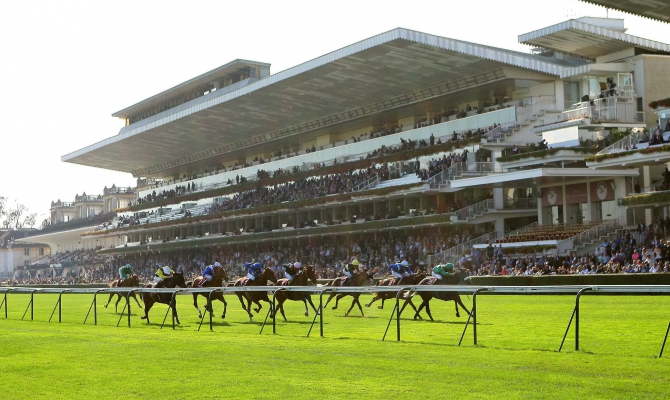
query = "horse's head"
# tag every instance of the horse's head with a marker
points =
(310, 274)
(178, 280)
(268, 275)
(219, 272)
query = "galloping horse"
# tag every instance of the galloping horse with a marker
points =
(299, 280)
(409, 280)
(176, 280)
(361, 278)
(218, 280)
(133, 281)
(256, 297)
(444, 296)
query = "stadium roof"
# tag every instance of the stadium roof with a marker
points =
(588, 38)
(653, 9)
(391, 70)
(185, 87)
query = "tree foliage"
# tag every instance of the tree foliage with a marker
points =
(16, 217)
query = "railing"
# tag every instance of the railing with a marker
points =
(626, 143)
(589, 235)
(454, 252)
(119, 190)
(370, 183)
(523, 229)
(525, 203)
(599, 111)
(648, 189)
(62, 204)
(474, 209)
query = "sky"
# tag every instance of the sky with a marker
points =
(66, 66)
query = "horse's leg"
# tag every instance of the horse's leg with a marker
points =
(309, 299)
(304, 303)
(357, 302)
(136, 301)
(195, 304)
(382, 306)
(427, 301)
(329, 298)
(375, 298)
(174, 311)
(423, 304)
(110, 299)
(459, 302)
(407, 300)
(280, 307)
(147, 306)
(116, 305)
(337, 300)
(225, 305)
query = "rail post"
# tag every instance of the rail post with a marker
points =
(315, 316)
(472, 313)
(94, 305)
(321, 308)
(664, 340)
(4, 302)
(575, 316)
(30, 305)
(128, 303)
(58, 305)
(209, 301)
(397, 308)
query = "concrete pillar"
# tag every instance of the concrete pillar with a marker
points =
(565, 207)
(500, 227)
(646, 181)
(498, 198)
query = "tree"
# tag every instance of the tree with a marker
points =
(17, 217)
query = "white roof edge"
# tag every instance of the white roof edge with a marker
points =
(504, 56)
(192, 80)
(540, 173)
(582, 69)
(596, 30)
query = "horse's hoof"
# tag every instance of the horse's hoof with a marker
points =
(346, 314)
(105, 305)
(367, 305)
(306, 315)
(334, 308)
(380, 307)
(143, 317)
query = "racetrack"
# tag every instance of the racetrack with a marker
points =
(516, 356)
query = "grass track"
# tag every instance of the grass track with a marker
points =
(516, 356)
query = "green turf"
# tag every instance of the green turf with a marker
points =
(516, 356)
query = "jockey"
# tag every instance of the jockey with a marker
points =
(406, 270)
(291, 270)
(442, 271)
(125, 271)
(207, 275)
(395, 269)
(163, 273)
(350, 269)
(253, 270)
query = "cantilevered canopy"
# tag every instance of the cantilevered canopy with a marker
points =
(541, 176)
(393, 70)
(590, 38)
(653, 9)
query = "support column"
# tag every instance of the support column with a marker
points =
(565, 207)
(498, 198)
(646, 181)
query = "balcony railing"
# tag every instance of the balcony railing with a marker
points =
(474, 210)
(590, 235)
(456, 251)
(520, 204)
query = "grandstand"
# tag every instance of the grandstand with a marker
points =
(404, 137)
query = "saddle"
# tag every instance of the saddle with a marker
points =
(340, 281)
(283, 282)
(392, 282)
(244, 281)
(200, 282)
(431, 281)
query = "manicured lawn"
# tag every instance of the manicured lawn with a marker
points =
(516, 356)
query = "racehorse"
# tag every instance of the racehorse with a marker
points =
(361, 278)
(133, 281)
(218, 280)
(256, 297)
(176, 280)
(408, 280)
(299, 280)
(444, 296)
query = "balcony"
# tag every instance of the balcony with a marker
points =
(618, 109)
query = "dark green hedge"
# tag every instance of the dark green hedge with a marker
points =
(548, 280)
